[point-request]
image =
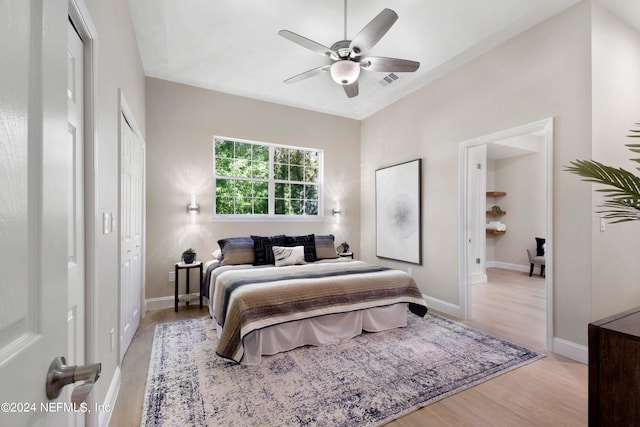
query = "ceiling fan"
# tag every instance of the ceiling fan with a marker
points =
(348, 56)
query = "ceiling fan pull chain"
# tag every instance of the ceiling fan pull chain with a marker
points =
(345, 20)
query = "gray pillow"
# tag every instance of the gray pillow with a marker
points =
(237, 250)
(325, 247)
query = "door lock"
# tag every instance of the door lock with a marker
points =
(60, 375)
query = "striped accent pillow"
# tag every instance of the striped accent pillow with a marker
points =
(289, 255)
(237, 250)
(325, 247)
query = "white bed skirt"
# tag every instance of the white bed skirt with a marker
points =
(329, 329)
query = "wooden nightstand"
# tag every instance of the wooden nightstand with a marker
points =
(183, 266)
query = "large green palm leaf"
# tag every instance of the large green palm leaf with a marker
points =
(635, 133)
(623, 193)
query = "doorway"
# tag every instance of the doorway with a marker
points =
(473, 241)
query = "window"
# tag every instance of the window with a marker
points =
(255, 178)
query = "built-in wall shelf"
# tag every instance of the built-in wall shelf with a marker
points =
(496, 212)
(494, 232)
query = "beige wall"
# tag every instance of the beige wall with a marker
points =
(544, 72)
(181, 123)
(118, 67)
(616, 106)
(523, 178)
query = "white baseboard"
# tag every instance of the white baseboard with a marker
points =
(577, 352)
(508, 266)
(158, 303)
(443, 306)
(169, 301)
(478, 278)
(104, 416)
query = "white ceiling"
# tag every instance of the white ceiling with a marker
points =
(232, 46)
(516, 146)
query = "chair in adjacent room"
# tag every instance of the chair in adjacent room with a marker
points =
(535, 259)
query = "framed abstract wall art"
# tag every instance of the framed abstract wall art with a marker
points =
(399, 212)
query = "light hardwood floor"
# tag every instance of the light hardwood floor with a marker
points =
(548, 392)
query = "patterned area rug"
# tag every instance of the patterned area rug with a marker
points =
(366, 381)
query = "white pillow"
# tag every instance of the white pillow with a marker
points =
(285, 255)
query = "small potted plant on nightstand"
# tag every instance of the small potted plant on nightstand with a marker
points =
(345, 247)
(189, 256)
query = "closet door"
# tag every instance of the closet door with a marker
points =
(131, 226)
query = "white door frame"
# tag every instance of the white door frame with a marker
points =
(84, 25)
(76, 280)
(545, 126)
(476, 192)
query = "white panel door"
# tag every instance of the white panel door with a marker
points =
(131, 168)
(33, 207)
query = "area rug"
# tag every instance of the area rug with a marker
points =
(366, 381)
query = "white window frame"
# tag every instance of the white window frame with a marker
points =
(271, 183)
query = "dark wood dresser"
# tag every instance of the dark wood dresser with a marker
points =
(614, 370)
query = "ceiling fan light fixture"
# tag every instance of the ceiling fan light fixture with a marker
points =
(348, 57)
(345, 72)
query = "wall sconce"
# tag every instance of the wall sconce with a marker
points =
(193, 209)
(336, 212)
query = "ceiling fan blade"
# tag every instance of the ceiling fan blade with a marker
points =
(373, 32)
(306, 43)
(351, 90)
(307, 74)
(388, 65)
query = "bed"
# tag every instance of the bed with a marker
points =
(267, 308)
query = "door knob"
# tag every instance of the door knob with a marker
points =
(60, 375)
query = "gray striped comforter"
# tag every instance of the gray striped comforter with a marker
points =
(247, 298)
